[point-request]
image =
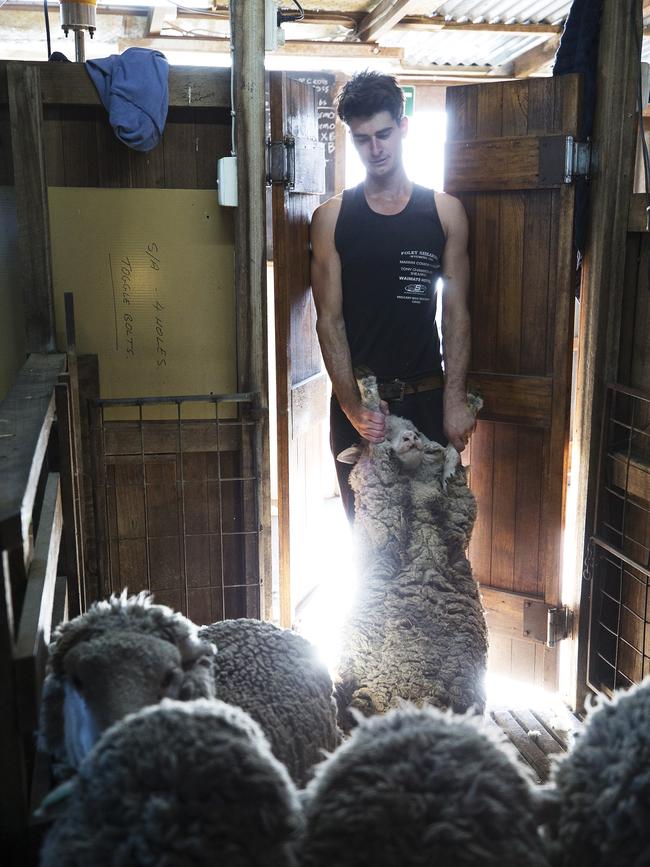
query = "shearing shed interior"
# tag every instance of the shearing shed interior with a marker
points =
(460, 674)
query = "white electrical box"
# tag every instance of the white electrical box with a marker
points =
(227, 182)
(273, 33)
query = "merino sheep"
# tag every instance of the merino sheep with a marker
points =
(275, 675)
(602, 787)
(417, 629)
(421, 787)
(119, 656)
(178, 784)
(127, 653)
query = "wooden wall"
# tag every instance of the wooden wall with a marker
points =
(183, 555)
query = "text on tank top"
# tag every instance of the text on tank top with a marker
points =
(390, 265)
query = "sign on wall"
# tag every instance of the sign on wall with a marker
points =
(152, 276)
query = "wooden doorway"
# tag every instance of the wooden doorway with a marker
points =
(301, 379)
(505, 160)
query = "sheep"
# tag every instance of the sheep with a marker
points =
(179, 783)
(417, 628)
(275, 675)
(119, 656)
(127, 653)
(601, 788)
(417, 787)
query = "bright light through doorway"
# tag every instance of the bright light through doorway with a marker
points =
(424, 152)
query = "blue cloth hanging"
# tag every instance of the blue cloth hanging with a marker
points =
(134, 91)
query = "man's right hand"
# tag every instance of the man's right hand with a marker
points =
(369, 423)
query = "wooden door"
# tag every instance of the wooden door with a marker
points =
(505, 161)
(301, 380)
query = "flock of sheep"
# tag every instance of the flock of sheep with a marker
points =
(230, 745)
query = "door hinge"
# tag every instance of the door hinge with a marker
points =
(281, 162)
(558, 626)
(577, 159)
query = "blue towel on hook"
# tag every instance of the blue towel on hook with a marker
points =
(133, 88)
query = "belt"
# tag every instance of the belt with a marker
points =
(397, 389)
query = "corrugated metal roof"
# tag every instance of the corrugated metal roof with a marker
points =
(504, 11)
(458, 48)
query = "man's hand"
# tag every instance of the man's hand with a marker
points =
(371, 424)
(458, 423)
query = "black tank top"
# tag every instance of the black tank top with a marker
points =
(390, 266)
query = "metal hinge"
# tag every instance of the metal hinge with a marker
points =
(558, 626)
(281, 162)
(577, 159)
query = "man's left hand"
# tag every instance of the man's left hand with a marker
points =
(458, 423)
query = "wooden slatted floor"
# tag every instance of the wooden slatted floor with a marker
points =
(537, 735)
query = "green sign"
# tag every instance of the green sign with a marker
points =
(409, 99)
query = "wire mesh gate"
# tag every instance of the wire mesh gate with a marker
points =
(176, 500)
(619, 638)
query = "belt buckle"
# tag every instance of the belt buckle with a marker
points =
(393, 390)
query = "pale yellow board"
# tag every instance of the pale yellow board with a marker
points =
(12, 325)
(152, 276)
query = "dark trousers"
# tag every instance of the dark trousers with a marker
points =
(423, 409)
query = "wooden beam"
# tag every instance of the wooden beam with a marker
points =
(383, 18)
(536, 59)
(26, 416)
(157, 16)
(292, 47)
(250, 257)
(69, 84)
(637, 218)
(26, 121)
(33, 637)
(614, 144)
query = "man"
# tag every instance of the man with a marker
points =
(378, 251)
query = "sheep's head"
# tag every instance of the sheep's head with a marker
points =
(118, 657)
(403, 440)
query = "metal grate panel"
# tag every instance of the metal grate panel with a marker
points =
(176, 484)
(619, 638)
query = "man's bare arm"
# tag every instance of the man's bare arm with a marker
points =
(330, 326)
(458, 420)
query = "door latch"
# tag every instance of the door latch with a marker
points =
(577, 159)
(559, 623)
(281, 162)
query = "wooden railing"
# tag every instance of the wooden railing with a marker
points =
(42, 578)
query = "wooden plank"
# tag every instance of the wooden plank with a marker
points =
(536, 59)
(513, 615)
(514, 399)
(525, 745)
(60, 602)
(30, 653)
(26, 416)
(501, 164)
(615, 134)
(308, 403)
(482, 476)
(71, 532)
(504, 507)
(161, 437)
(250, 256)
(637, 216)
(190, 86)
(179, 150)
(6, 158)
(535, 288)
(31, 206)
(384, 16)
(510, 282)
(528, 495)
(632, 476)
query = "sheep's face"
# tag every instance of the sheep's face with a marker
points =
(113, 675)
(405, 441)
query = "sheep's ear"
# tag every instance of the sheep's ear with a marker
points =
(51, 736)
(350, 455)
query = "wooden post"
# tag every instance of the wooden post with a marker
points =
(250, 247)
(26, 118)
(615, 131)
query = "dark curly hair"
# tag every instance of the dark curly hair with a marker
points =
(368, 93)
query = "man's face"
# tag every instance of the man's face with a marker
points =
(378, 140)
